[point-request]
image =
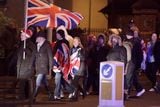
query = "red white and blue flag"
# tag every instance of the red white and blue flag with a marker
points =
(43, 14)
(61, 61)
(74, 62)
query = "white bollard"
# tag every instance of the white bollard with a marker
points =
(111, 84)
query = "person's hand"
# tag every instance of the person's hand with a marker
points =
(57, 69)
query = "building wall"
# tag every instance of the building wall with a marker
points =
(82, 6)
(93, 19)
(64, 4)
(98, 20)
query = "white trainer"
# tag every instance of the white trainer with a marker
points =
(141, 93)
(70, 95)
(62, 94)
(57, 98)
(152, 90)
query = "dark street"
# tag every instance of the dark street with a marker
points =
(148, 99)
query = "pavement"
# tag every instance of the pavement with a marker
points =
(148, 99)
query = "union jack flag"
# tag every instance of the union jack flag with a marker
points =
(43, 14)
(74, 62)
(61, 61)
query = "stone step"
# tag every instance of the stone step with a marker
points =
(8, 87)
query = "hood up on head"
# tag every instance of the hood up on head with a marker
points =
(67, 36)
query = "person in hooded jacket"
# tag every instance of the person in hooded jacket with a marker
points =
(118, 53)
(97, 54)
(61, 65)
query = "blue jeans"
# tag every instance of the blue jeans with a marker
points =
(59, 82)
(41, 79)
(58, 79)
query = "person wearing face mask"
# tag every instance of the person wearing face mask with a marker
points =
(43, 64)
(25, 66)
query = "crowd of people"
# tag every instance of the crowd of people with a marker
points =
(75, 68)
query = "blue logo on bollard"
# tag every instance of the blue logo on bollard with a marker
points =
(107, 71)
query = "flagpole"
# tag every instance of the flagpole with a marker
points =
(50, 30)
(25, 27)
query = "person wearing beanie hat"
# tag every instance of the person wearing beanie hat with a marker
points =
(43, 64)
(25, 68)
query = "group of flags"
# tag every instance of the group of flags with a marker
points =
(39, 13)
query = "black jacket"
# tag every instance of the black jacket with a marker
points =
(117, 53)
(44, 59)
(25, 67)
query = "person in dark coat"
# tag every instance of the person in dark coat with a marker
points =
(137, 58)
(25, 68)
(118, 51)
(43, 63)
(152, 60)
(97, 54)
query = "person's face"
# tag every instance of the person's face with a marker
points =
(39, 39)
(114, 41)
(100, 40)
(75, 42)
(154, 37)
(58, 36)
(94, 39)
(23, 36)
(135, 33)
